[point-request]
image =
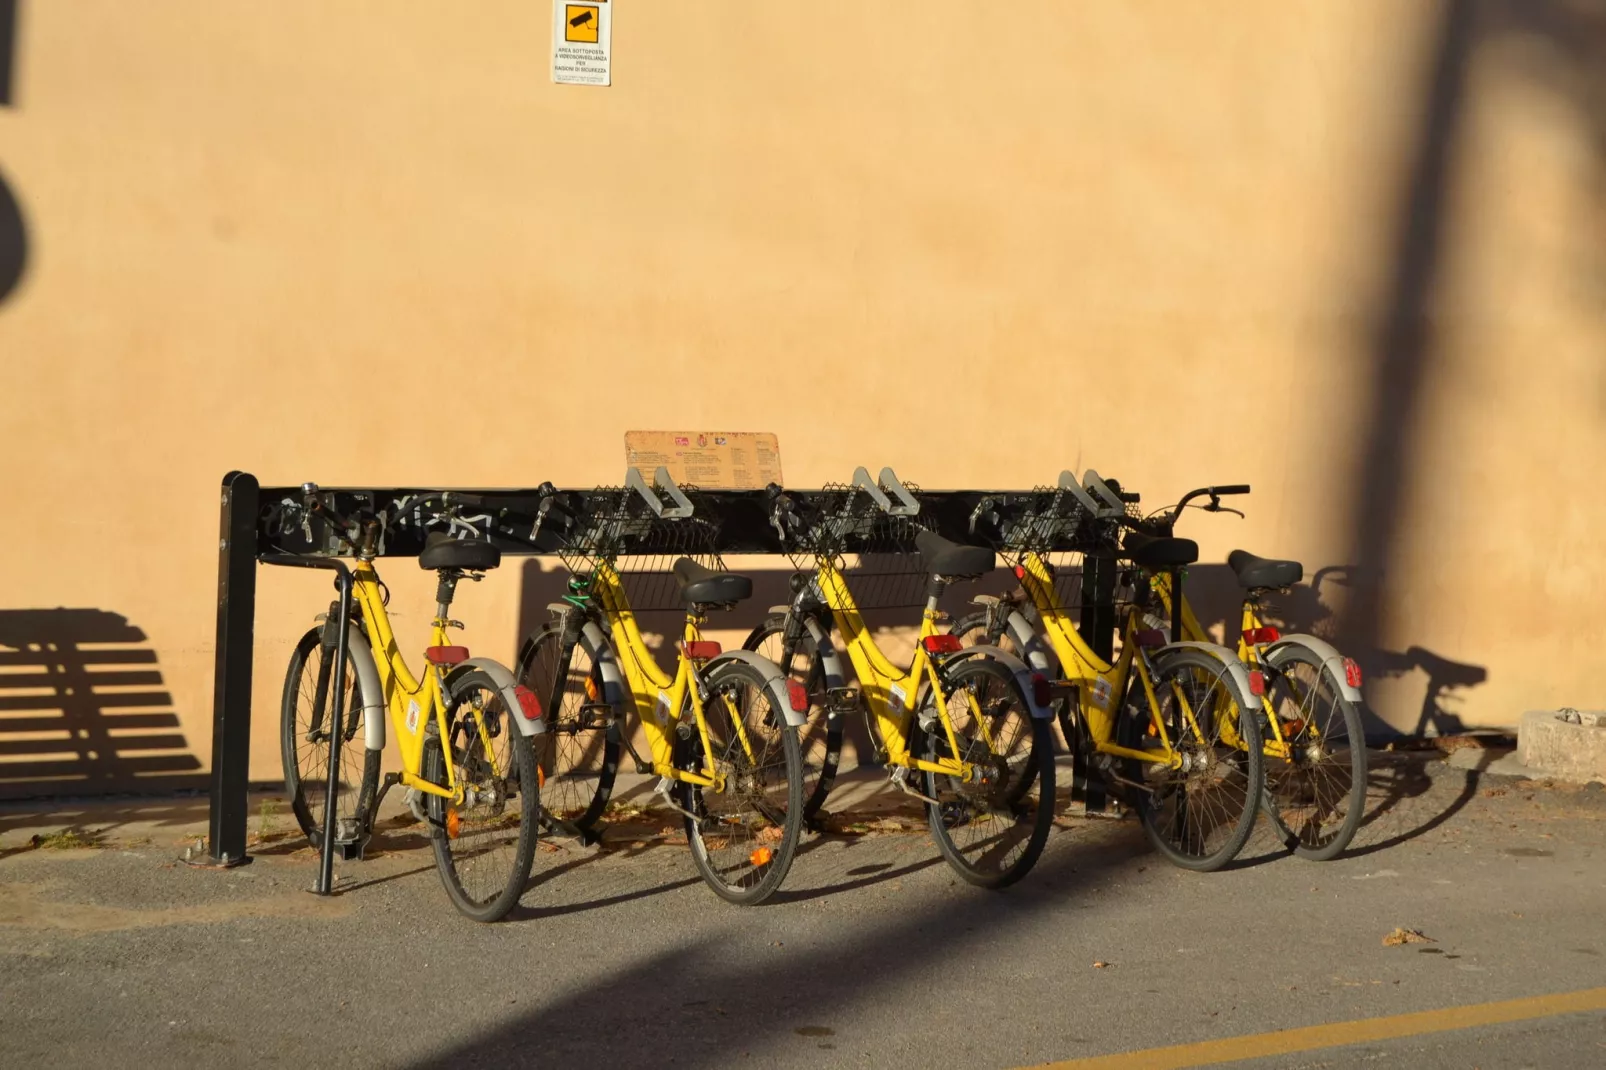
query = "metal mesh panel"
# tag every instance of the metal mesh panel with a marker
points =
(874, 551)
(642, 546)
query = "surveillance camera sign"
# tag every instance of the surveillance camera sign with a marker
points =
(582, 42)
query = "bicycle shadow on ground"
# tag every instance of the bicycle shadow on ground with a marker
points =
(1404, 800)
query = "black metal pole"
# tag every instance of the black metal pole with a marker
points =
(1098, 603)
(231, 678)
(337, 732)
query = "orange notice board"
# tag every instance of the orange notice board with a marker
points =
(712, 460)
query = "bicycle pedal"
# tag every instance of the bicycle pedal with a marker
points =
(842, 698)
(595, 716)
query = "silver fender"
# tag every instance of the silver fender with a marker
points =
(774, 680)
(1023, 673)
(1030, 641)
(1235, 668)
(502, 677)
(373, 707)
(1328, 654)
(614, 689)
(830, 661)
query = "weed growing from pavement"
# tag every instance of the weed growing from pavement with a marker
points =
(66, 840)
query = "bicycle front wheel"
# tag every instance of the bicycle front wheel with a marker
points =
(744, 834)
(578, 754)
(485, 845)
(820, 740)
(1315, 796)
(304, 736)
(1200, 805)
(991, 829)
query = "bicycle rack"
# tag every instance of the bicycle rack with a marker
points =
(252, 530)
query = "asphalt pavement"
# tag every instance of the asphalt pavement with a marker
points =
(873, 954)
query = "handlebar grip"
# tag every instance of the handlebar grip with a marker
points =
(1235, 488)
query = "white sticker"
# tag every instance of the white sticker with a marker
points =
(660, 712)
(1101, 692)
(582, 42)
(895, 696)
(412, 715)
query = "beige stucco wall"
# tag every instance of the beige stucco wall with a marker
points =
(371, 243)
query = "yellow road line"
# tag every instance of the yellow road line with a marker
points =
(1337, 1034)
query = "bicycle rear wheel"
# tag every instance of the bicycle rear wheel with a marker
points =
(304, 745)
(578, 755)
(743, 837)
(485, 846)
(991, 831)
(1316, 796)
(1200, 813)
(820, 740)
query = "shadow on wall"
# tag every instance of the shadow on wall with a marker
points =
(13, 236)
(1315, 608)
(83, 710)
(1566, 55)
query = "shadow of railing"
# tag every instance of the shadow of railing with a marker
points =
(83, 709)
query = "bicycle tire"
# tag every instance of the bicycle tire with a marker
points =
(482, 877)
(1295, 786)
(743, 838)
(1223, 818)
(578, 754)
(1008, 846)
(820, 739)
(306, 762)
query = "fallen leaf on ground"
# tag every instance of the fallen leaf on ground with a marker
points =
(1101, 965)
(1406, 936)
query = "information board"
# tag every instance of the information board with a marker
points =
(712, 460)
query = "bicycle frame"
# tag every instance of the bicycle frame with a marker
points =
(1101, 684)
(412, 703)
(659, 699)
(1249, 653)
(890, 693)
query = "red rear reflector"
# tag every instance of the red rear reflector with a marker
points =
(528, 703)
(1257, 683)
(1020, 572)
(1261, 636)
(1151, 637)
(1352, 672)
(798, 696)
(701, 650)
(1042, 690)
(942, 644)
(446, 655)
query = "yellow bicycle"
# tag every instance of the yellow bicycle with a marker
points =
(1170, 725)
(1313, 738)
(463, 728)
(972, 724)
(722, 730)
